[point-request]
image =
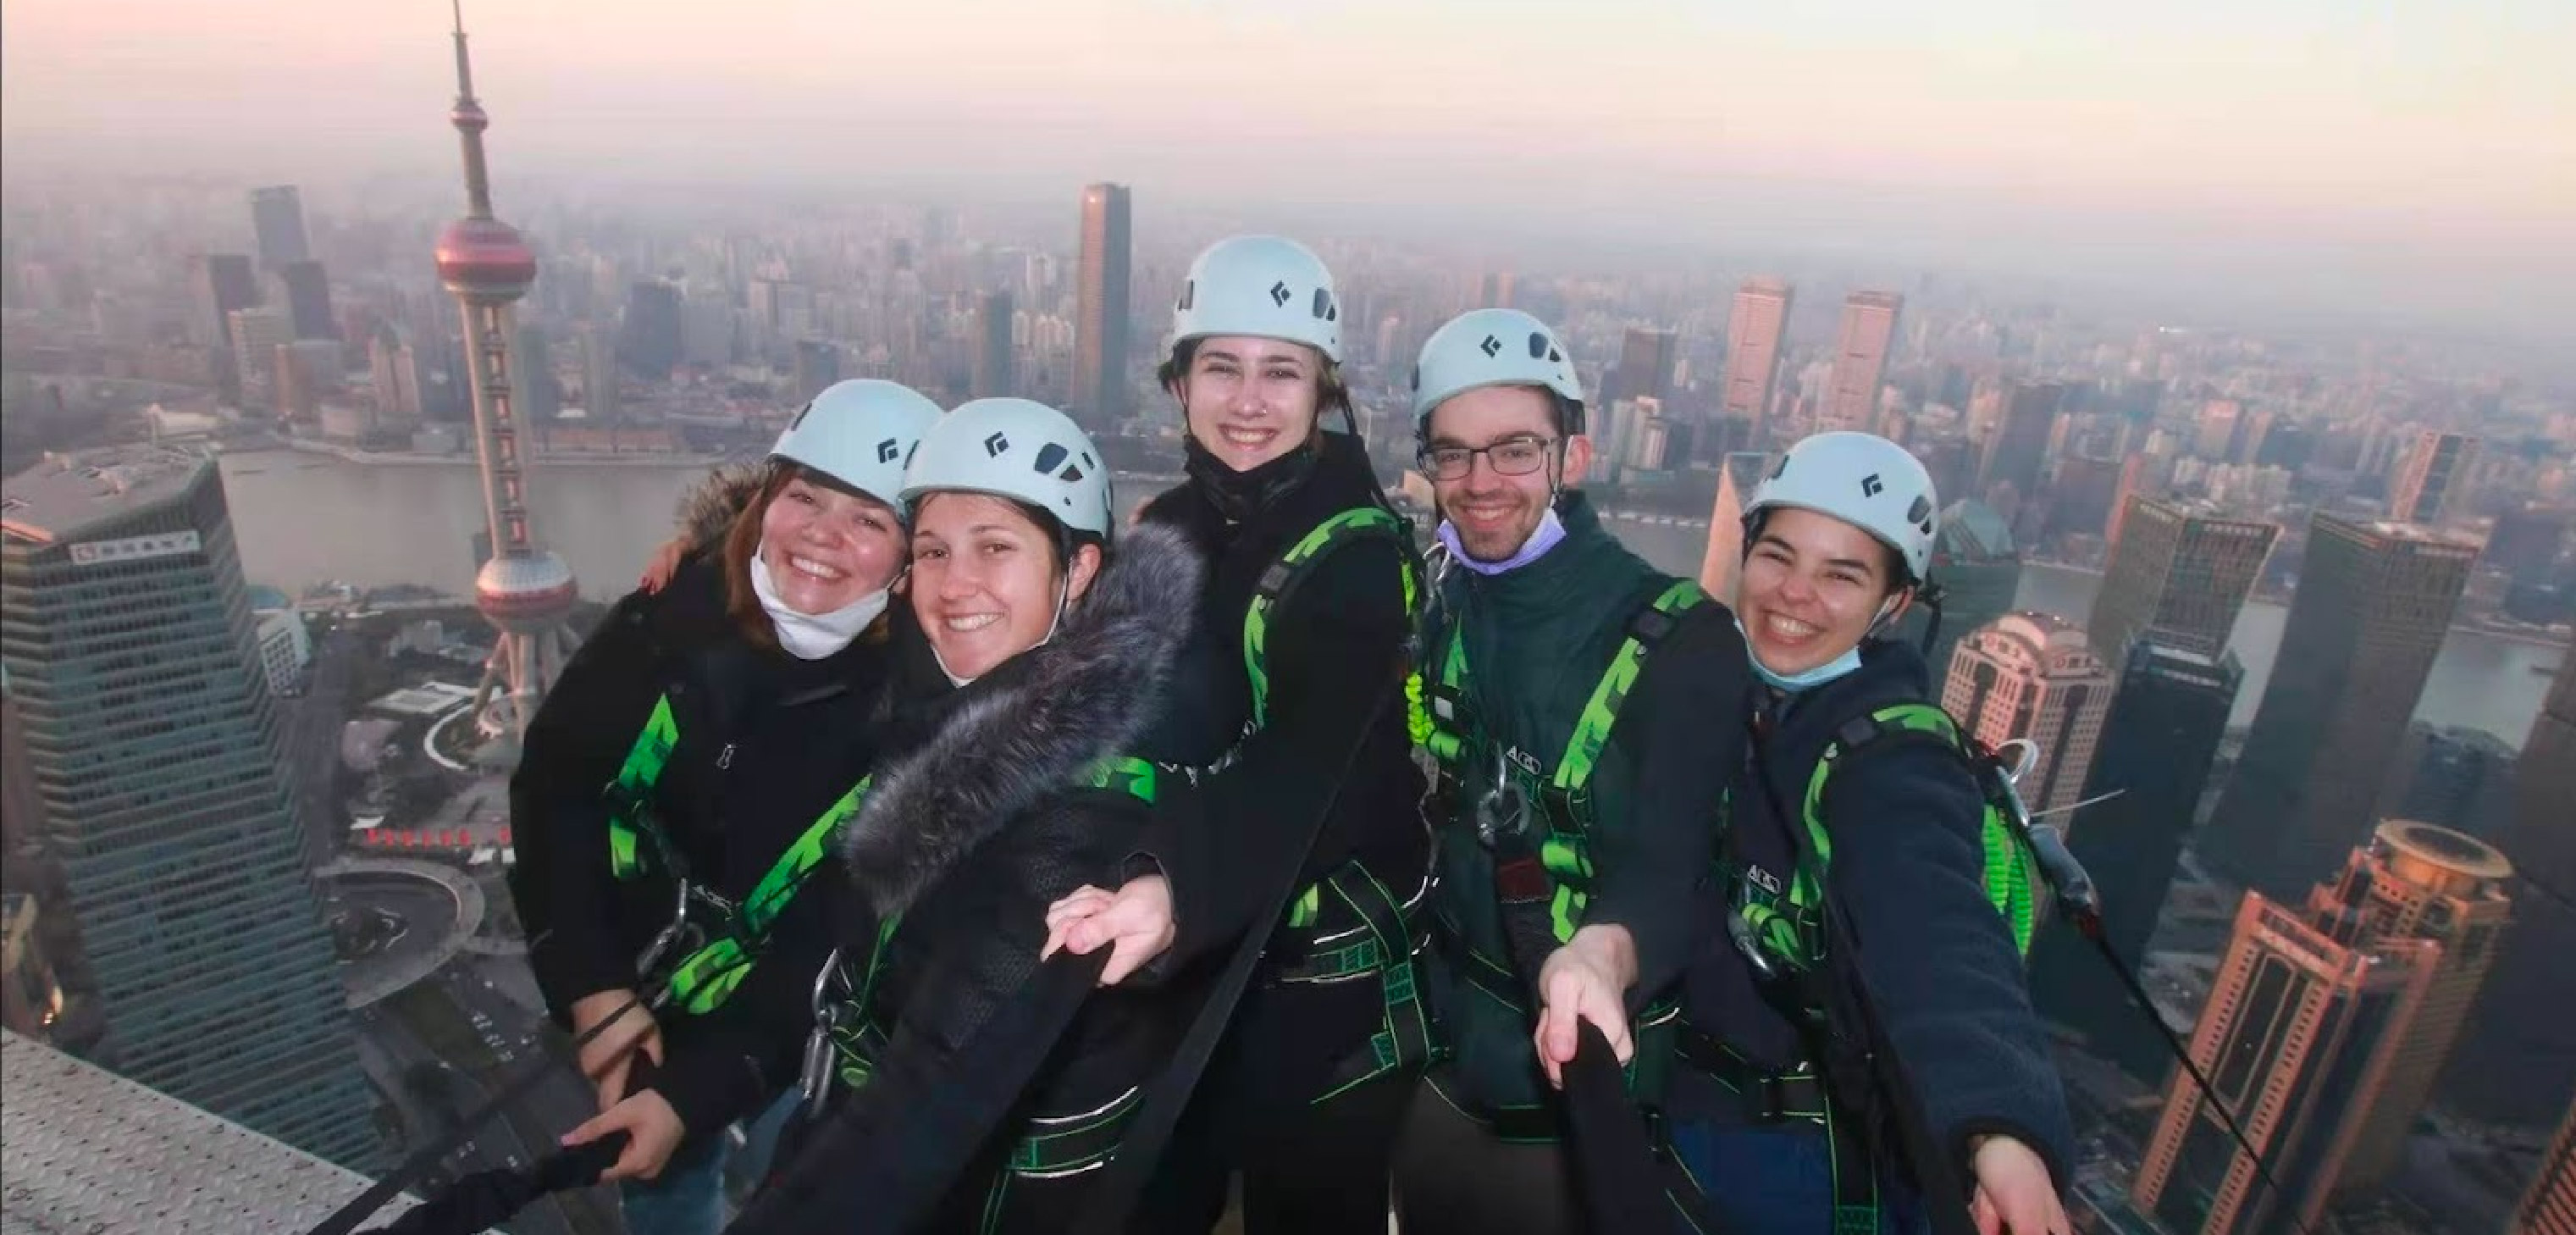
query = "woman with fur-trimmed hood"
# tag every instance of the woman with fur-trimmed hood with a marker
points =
(1001, 787)
(725, 711)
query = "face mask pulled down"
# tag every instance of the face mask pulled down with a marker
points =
(813, 636)
(1550, 534)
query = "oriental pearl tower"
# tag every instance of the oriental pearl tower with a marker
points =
(525, 591)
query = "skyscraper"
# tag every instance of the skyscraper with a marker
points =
(1860, 360)
(1738, 474)
(2549, 1208)
(1753, 333)
(140, 714)
(1645, 365)
(598, 374)
(257, 334)
(992, 376)
(2519, 1066)
(1100, 316)
(2416, 881)
(2297, 1025)
(2032, 675)
(524, 591)
(2179, 574)
(277, 219)
(2019, 447)
(2430, 481)
(307, 297)
(2368, 619)
(818, 365)
(2454, 776)
(222, 282)
(396, 373)
(2158, 743)
(650, 340)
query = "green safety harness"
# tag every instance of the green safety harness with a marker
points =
(1385, 940)
(1778, 927)
(849, 1035)
(1543, 869)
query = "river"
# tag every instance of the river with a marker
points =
(300, 518)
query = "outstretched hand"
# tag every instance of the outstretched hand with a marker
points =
(1585, 980)
(2014, 1194)
(1135, 922)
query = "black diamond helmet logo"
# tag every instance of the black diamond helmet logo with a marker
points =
(995, 445)
(1279, 293)
(1491, 347)
(887, 450)
(1870, 486)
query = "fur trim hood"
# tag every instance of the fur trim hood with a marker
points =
(1030, 728)
(707, 510)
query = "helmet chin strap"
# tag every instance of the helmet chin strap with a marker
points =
(1063, 597)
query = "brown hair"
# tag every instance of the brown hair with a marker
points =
(1332, 393)
(742, 543)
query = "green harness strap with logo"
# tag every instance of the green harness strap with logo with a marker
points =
(1565, 797)
(631, 828)
(1051, 1146)
(1785, 920)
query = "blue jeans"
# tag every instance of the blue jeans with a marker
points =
(1774, 1179)
(688, 1197)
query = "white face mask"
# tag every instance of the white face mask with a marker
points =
(813, 636)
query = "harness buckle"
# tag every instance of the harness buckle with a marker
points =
(1503, 809)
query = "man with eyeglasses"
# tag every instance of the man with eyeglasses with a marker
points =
(1585, 710)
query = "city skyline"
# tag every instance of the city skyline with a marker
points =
(2400, 154)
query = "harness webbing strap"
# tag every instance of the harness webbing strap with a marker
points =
(630, 816)
(708, 976)
(1293, 568)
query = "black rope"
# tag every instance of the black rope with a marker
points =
(486, 1199)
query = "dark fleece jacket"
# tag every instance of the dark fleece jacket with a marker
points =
(1906, 866)
(767, 743)
(981, 817)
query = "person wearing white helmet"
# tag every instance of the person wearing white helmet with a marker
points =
(1584, 709)
(1768, 1102)
(726, 710)
(1303, 626)
(1004, 782)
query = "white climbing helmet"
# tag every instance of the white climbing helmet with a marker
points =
(1018, 449)
(1265, 287)
(1491, 347)
(1864, 480)
(860, 433)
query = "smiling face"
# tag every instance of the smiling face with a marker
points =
(826, 547)
(984, 579)
(1813, 586)
(1495, 514)
(1249, 401)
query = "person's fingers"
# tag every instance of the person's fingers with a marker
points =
(612, 1087)
(595, 1127)
(1129, 956)
(1081, 902)
(653, 1046)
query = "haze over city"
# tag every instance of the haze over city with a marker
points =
(2409, 163)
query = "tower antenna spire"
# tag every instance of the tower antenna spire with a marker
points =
(470, 121)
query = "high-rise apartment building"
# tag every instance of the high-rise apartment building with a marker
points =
(649, 338)
(992, 376)
(2018, 450)
(2297, 1027)
(306, 289)
(277, 221)
(257, 334)
(598, 374)
(2519, 1066)
(2430, 481)
(2373, 604)
(1754, 330)
(2416, 881)
(1860, 360)
(145, 727)
(2549, 1208)
(2158, 743)
(818, 366)
(2179, 574)
(1100, 315)
(222, 282)
(2033, 675)
(2454, 776)
(1645, 365)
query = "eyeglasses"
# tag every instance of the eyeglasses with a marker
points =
(1512, 456)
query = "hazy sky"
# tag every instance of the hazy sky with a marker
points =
(2410, 148)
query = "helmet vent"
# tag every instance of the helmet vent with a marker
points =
(1539, 348)
(1049, 456)
(1920, 512)
(1325, 308)
(1189, 294)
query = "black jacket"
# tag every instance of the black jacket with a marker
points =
(980, 818)
(1906, 868)
(767, 743)
(1333, 654)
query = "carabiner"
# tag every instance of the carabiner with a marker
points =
(663, 944)
(1740, 931)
